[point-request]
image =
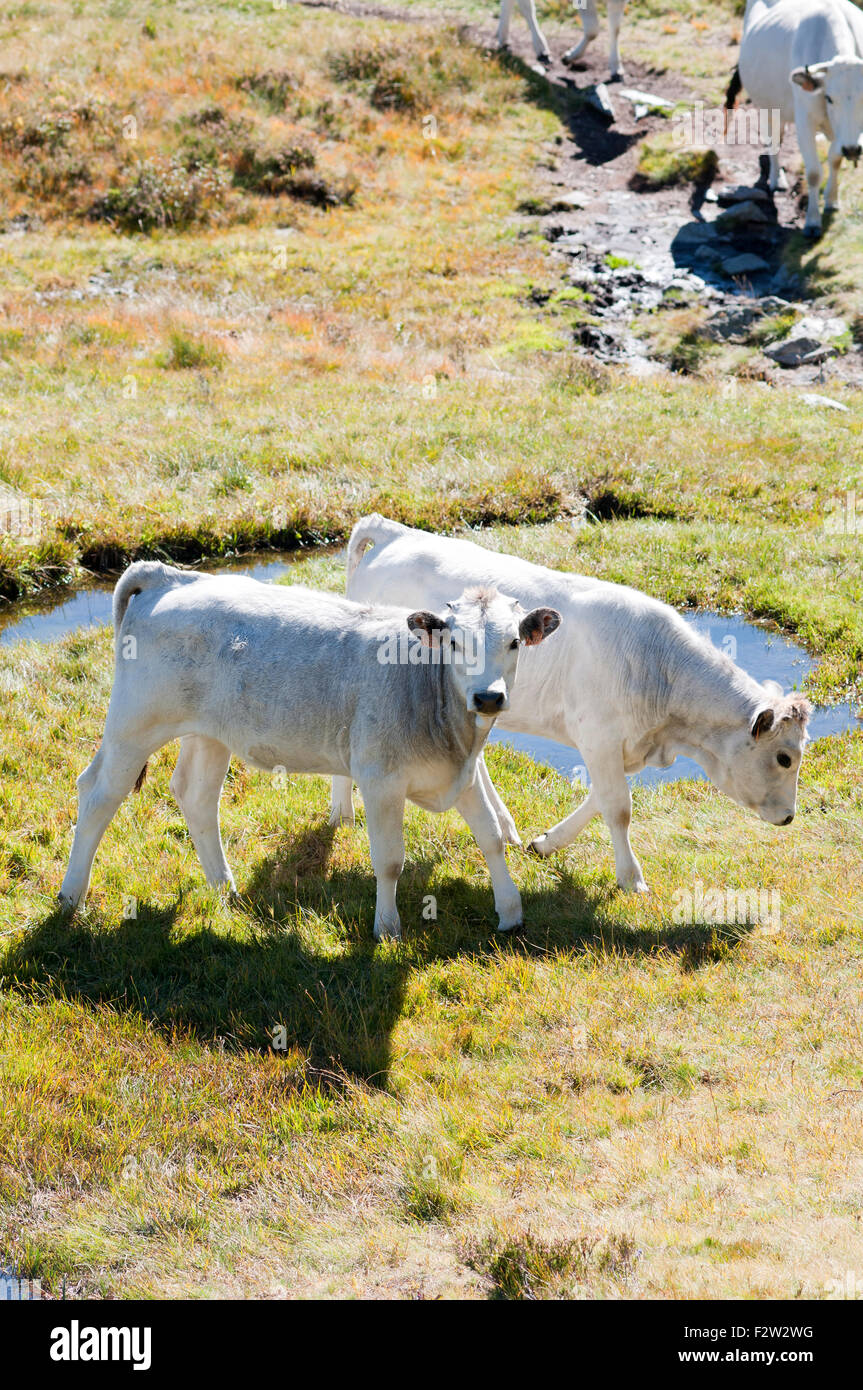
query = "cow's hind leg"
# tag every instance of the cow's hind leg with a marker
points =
(482, 818)
(615, 15)
(342, 801)
(384, 802)
(540, 47)
(504, 22)
(590, 27)
(505, 820)
(101, 787)
(197, 785)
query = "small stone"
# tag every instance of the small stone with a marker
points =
(599, 101)
(798, 351)
(695, 234)
(728, 197)
(812, 398)
(740, 213)
(747, 264)
(566, 202)
(646, 99)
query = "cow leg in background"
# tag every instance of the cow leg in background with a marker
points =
(481, 816)
(590, 25)
(609, 796)
(812, 163)
(615, 15)
(384, 800)
(505, 820)
(540, 47)
(197, 786)
(831, 192)
(503, 23)
(342, 801)
(101, 787)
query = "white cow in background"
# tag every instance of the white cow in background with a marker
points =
(626, 681)
(804, 59)
(589, 23)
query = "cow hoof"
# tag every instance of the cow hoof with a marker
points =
(536, 847)
(388, 931)
(812, 233)
(66, 904)
(617, 77)
(638, 886)
(337, 818)
(516, 929)
(545, 59)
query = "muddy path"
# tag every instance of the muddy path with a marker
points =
(636, 250)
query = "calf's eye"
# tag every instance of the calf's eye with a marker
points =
(783, 759)
(513, 645)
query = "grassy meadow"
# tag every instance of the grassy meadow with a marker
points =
(250, 291)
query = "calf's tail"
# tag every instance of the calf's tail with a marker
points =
(144, 574)
(370, 530)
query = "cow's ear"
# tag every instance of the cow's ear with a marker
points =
(538, 624)
(425, 624)
(807, 79)
(762, 723)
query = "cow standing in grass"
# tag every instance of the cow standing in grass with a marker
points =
(291, 679)
(804, 60)
(589, 23)
(627, 682)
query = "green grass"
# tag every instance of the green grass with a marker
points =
(201, 1096)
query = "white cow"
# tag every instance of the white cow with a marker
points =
(804, 59)
(589, 24)
(301, 681)
(627, 682)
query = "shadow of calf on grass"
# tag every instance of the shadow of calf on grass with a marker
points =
(339, 1003)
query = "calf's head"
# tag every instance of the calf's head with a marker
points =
(839, 86)
(761, 762)
(479, 639)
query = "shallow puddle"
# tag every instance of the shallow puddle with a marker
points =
(763, 653)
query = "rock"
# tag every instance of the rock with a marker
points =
(821, 328)
(732, 324)
(728, 197)
(565, 202)
(741, 214)
(646, 99)
(695, 234)
(812, 398)
(746, 264)
(599, 101)
(772, 304)
(799, 351)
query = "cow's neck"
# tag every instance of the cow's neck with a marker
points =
(709, 698)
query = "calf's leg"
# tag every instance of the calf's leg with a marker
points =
(809, 151)
(590, 27)
(481, 816)
(505, 820)
(101, 787)
(385, 812)
(197, 786)
(615, 15)
(342, 801)
(540, 47)
(609, 796)
(503, 23)
(831, 192)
